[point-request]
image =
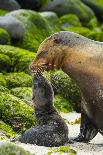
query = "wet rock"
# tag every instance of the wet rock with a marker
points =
(96, 6)
(31, 4)
(4, 37)
(13, 26)
(26, 28)
(69, 6)
(9, 5)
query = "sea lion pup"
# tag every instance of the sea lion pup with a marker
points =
(82, 59)
(52, 130)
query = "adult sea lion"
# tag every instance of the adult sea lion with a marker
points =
(82, 59)
(52, 130)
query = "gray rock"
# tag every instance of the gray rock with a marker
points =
(13, 26)
(69, 6)
(9, 5)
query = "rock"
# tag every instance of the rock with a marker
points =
(7, 130)
(69, 20)
(12, 149)
(3, 12)
(16, 112)
(13, 26)
(52, 19)
(93, 23)
(64, 86)
(31, 4)
(62, 104)
(9, 5)
(24, 93)
(18, 80)
(4, 37)
(2, 80)
(80, 30)
(24, 62)
(96, 6)
(20, 58)
(5, 63)
(27, 28)
(69, 6)
(95, 34)
(4, 89)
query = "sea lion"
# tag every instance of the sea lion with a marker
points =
(82, 59)
(52, 130)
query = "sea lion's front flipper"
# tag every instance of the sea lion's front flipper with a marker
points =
(87, 130)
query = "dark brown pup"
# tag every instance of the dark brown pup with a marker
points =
(52, 130)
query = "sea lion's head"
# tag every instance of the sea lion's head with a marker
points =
(42, 92)
(50, 54)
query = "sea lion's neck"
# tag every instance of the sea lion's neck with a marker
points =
(82, 67)
(42, 113)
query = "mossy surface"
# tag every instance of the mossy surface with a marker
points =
(62, 104)
(70, 20)
(7, 129)
(24, 93)
(63, 85)
(69, 6)
(2, 80)
(35, 26)
(52, 19)
(3, 12)
(4, 89)
(20, 58)
(12, 149)
(4, 37)
(61, 150)
(80, 30)
(16, 112)
(18, 80)
(5, 63)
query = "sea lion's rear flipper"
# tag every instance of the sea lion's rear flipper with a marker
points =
(87, 130)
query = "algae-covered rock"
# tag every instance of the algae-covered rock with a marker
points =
(24, 93)
(31, 4)
(32, 28)
(24, 61)
(16, 112)
(2, 80)
(12, 149)
(20, 58)
(69, 6)
(92, 23)
(65, 86)
(4, 37)
(97, 7)
(13, 26)
(3, 12)
(62, 104)
(4, 89)
(9, 5)
(70, 20)
(97, 34)
(7, 129)
(5, 63)
(52, 19)
(18, 80)
(80, 30)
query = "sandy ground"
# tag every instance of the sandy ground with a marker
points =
(95, 147)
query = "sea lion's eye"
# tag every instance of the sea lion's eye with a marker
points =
(57, 40)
